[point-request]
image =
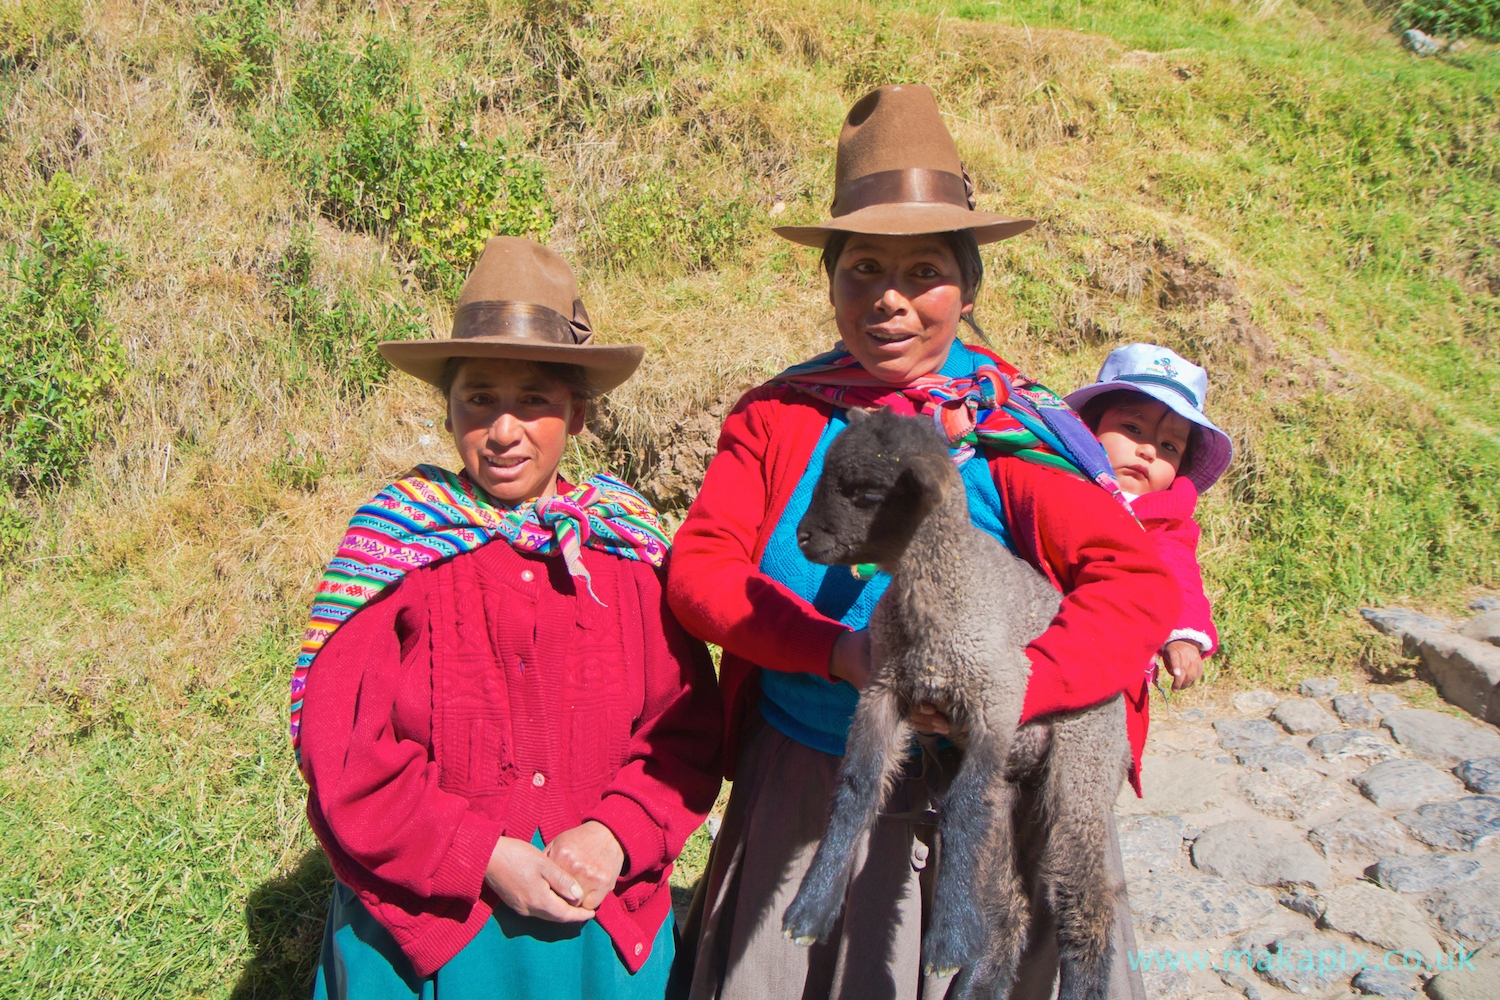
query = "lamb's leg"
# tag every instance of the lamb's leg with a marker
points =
(875, 751)
(978, 900)
(1087, 764)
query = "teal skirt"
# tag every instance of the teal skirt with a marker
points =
(511, 958)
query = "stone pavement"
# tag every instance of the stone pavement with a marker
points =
(1313, 836)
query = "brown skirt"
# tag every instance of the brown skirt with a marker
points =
(732, 943)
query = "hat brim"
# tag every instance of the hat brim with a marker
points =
(909, 219)
(608, 366)
(1214, 450)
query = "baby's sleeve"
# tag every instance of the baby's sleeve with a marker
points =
(1168, 520)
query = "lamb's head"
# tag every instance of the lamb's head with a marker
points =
(882, 476)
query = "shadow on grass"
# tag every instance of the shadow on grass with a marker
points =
(284, 918)
(682, 899)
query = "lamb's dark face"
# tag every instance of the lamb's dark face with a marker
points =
(880, 478)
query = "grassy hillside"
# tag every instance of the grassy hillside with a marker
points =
(211, 214)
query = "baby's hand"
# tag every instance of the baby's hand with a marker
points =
(1184, 661)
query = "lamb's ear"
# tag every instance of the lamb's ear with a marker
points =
(858, 414)
(931, 473)
(921, 486)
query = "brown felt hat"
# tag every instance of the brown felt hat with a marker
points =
(898, 174)
(521, 302)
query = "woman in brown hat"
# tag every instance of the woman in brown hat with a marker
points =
(902, 256)
(506, 736)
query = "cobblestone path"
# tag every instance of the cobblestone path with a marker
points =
(1325, 845)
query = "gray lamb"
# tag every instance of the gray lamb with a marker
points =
(950, 631)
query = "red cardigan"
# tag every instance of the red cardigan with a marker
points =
(1119, 604)
(1167, 516)
(481, 697)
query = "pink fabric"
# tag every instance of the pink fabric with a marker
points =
(1119, 602)
(481, 697)
(1167, 516)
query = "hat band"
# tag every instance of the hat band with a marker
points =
(894, 187)
(1170, 383)
(521, 321)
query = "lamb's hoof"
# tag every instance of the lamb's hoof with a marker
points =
(933, 970)
(804, 925)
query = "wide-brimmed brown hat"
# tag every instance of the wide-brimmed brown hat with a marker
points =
(521, 302)
(898, 174)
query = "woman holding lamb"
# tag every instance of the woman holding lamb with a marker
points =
(901, 252)
(507, 737)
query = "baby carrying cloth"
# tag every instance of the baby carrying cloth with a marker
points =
(1000, 409)
(432, 514)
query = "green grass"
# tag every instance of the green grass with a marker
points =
(160, 859)
(59, 359)
(1276, 190)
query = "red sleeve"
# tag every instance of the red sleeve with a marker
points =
(1119, 601)
(1168, 519)
(671, 776)
(716, 587)
(372, 792)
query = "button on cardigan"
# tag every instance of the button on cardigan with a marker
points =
(482, 697)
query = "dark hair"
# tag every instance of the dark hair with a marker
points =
(575, 378)
(965, 250)
(1093, 411)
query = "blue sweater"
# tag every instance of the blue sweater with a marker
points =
(813, 711)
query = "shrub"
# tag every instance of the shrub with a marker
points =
(59, 359)
(1452, 18)
(237, 44)
(29, 29)
(298, 467)
(651, 225)
(355, 134)
(334, 331)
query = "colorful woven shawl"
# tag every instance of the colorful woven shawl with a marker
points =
(1000, 409)
(432, 514)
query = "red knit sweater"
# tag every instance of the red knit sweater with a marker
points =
(1119, 600)
(481, 697)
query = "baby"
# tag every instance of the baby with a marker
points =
(1146, 408)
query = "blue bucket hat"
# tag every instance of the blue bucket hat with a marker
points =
(1167, 377)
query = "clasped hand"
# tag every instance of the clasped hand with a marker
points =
(566, 882)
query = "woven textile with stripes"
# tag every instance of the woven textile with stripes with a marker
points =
(432, 514)
(996, 407)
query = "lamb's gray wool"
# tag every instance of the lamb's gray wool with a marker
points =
(951, 630)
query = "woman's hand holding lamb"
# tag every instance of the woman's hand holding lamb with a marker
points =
(533, 885)
(930, 720)
(592, 855)
(851, 661)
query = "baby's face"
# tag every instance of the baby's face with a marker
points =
(1145, 442)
